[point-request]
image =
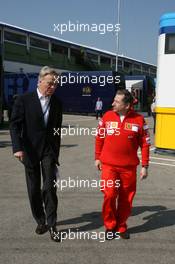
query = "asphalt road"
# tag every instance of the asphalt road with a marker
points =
(151, 224)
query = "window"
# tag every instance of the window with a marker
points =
(15, 37)
(75, 52)
(39, 43)
(137, 66)
(59, 49)
(92, 57)
(127, 64)
(119, 62)
(170, 44)
(113, 61)
(105, 60)
(76, 56)
(152, 70)
(145, 69)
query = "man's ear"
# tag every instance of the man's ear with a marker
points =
(128, 106)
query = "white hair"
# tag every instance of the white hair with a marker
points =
(47, 70)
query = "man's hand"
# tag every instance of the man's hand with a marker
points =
(143, 173)
(98, 164)
(19, 155)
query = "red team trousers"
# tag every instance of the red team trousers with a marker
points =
(117, 203)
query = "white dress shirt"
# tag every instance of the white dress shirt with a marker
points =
(121, 118)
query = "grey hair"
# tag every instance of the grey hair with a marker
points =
(47, 70)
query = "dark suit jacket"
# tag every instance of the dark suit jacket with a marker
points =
(28, 130)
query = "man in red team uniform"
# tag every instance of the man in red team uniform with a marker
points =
(120, 133)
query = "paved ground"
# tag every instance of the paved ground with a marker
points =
(151, 224)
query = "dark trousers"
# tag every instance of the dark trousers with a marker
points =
(98, 113)
(43, 201)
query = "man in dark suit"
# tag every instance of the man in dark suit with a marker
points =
(34, 117)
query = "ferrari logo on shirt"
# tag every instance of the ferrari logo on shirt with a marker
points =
(132, 127)
(128, 126)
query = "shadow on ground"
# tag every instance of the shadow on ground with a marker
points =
(162, 217)
(4, 144)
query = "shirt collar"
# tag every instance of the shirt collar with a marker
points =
(131, 111)
(40, 96)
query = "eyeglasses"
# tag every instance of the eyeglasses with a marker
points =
(51, 83)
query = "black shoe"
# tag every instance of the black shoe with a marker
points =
(124, 235)
(55, 234)
(41, 229)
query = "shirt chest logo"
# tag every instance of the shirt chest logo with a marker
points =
(111, 125)
(131, 127)
(112, 128)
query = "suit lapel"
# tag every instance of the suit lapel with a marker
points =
(39, 111)
(51, 111)
(37, 107)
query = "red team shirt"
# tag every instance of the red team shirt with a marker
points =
(117, 142)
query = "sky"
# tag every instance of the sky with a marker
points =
(139, 22)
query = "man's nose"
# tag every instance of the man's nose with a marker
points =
(52, 86)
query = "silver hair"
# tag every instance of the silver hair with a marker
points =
(47, 70)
